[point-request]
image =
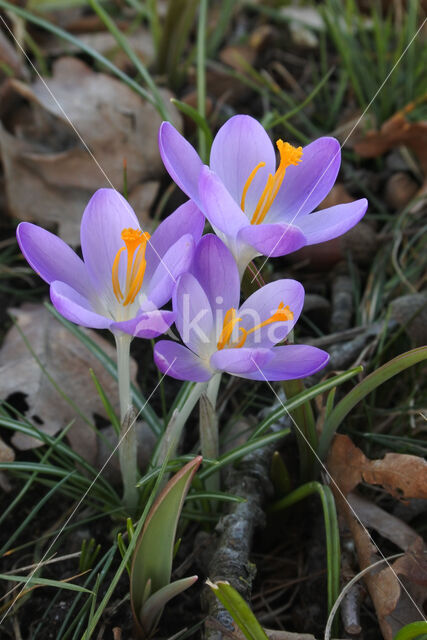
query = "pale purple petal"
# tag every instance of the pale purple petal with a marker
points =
(240, 361)
(147, 325)
(179, 362)
(272, 240)
(308, 183)
(186, 219)
(262, 304)
(194, 319)
(76, 307)
(218, 205)
(215, 269)
(51, 258)
(175, 261)
(181, 160)
(104, 219)
(291, 362)
(239, 146)
(332, 222)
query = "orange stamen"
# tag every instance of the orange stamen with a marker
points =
(136, 242)
(289, 155)
(283, 314)
(230, 321)
(249, 182)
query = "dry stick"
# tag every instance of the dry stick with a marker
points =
(230, 560)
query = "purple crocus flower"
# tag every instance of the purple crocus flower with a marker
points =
(219, 335)
(125, 276)
(252, 206)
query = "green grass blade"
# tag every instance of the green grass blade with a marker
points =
(333, 552)
(360, 391)
(110, 365)
(125, 46)
(31, 581)
(411, 631)
(303, 397)
(239, 610)
(92, 53)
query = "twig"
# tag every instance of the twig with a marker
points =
(230, 560)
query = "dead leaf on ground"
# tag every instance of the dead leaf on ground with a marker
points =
(395, 132)
(7, 454)
(44, 156)
(398, 590)
(104, 42)
(68, 362)
(386, 524)
(402, 475)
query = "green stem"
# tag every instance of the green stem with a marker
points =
(170, 440)
(128, 442)
(201, 73)
(213, 388)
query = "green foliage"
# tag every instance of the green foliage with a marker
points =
(371, 382)
(383, 56)
(152, 561)
(238, 609)
(333, 551)
(412, 631)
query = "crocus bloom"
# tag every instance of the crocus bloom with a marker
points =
(125, 276)
(219, 335)
(254, 207)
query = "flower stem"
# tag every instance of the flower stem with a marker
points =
(128, 442)
(170, 440)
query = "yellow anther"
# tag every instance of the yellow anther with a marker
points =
(289, 155)
(230, 321)
(283, 314)
(249, 182)
(136, 242)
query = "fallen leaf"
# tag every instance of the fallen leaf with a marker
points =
(41, 152)
(105, 43)
(402, 475)
(386, 524)
(68, 362)
(6, 453)
(395, 132)
(398, 590)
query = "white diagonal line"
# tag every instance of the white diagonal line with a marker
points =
(341, 146)
(42, 560)
(331, 479)
(74, 128)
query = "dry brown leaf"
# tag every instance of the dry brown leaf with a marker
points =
(68, 361)
(398, 591)
(396, 132)
(386, 524)
(401, 475)
(105, 43)
(6, 453)
(44, 156)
